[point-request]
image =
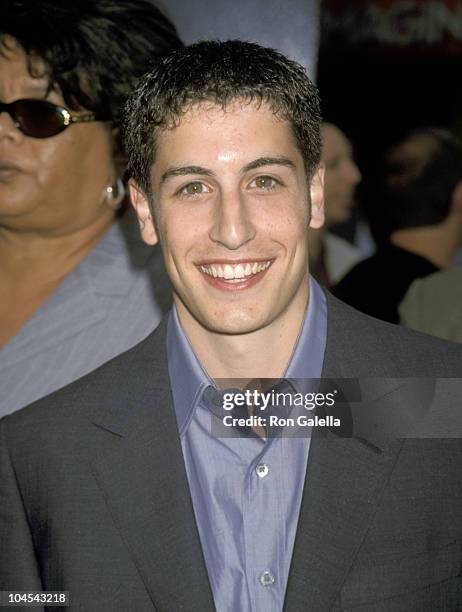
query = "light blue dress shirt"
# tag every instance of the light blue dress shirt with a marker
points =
(246, 491)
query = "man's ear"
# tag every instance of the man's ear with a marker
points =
(143, 211)
(317, 198)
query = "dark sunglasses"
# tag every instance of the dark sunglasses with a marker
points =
(42, 119)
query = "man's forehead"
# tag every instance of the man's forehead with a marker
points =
(209, 110)
(218, 137)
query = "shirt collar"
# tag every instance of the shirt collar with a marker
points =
(189, 379)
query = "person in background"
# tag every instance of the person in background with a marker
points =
(331, 256)
(78, 286)
(423, 192)
(433, 305)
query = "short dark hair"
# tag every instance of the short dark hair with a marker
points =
(419, 182)
(93, 50)
(219, 72)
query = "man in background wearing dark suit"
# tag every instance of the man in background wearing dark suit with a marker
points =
(422, 203)
(117, 488)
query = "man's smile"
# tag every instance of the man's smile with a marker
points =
(236, 274)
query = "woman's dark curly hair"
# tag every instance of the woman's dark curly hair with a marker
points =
(92, 51)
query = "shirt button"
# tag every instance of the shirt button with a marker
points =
(262, 470)
(267, 579)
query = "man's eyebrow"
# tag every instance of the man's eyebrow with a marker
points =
(269, 161)
(256, 163)
(184, 170)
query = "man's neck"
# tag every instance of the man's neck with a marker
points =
(264, 353)
(437, 243)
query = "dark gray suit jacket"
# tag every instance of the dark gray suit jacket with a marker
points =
(94, 497)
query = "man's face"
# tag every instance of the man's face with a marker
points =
(231, 203)
(342, 174)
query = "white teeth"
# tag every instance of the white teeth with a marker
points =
(234, 272)
(228, 272)
(263, 266)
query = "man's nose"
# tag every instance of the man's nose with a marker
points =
(232, 224)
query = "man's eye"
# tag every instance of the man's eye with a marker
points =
(194, 188)
(264, 182)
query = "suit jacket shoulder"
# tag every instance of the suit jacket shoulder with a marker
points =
(361, 346)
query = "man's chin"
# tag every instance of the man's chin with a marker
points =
(233, 324)
(233, 329)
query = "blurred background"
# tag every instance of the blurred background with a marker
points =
(385, 67)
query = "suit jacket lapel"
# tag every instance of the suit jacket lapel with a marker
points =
(344, 481)
(142, 475)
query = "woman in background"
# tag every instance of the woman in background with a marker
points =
(77, 285)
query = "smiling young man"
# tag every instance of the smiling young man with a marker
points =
(118, 488)
(232, 218)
